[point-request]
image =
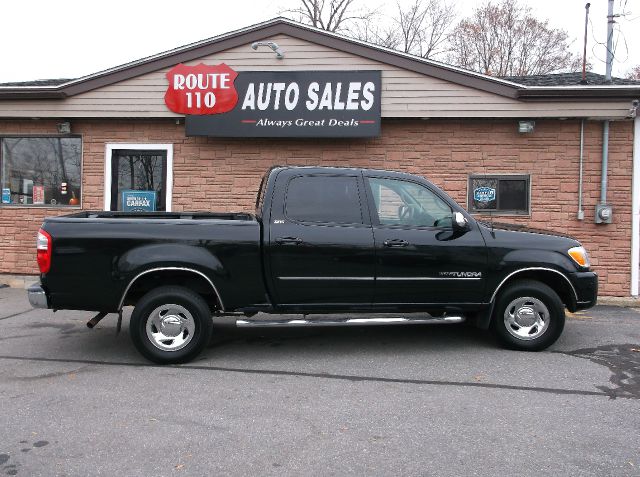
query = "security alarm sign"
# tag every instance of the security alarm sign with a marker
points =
(296, 104)
(201, 89)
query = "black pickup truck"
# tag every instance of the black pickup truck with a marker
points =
(323, 241)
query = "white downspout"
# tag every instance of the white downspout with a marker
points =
(635, 209)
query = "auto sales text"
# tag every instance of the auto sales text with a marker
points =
(330, 96)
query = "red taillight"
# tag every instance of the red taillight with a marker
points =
(43, 246)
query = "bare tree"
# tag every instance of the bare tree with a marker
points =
(419, 28)
(423, 25)
(576, 63)
(505, 39)
(376, 32)
(330, 15)
(634, 73)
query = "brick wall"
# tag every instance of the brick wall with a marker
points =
(225, 174)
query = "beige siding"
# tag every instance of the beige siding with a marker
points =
(404, 93)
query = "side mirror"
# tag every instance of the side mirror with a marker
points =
(460, 223)
(459, 227)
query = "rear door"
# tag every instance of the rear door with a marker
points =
(419, 258)
(320, 249)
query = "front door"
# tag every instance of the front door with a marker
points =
(418, 257)
(321, 244)
(139, 180)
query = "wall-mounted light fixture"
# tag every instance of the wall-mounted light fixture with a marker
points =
(271, 44)
(64, 128)
(633, 111)
(526, 127)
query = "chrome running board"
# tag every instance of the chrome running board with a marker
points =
(246, 323)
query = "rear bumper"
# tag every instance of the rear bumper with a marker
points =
(37, 296)
(586, 285)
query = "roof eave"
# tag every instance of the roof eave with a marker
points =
(25, 93)
(268, 29)
(592, 93)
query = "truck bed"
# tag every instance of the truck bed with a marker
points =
(160, 215)
(97, 254)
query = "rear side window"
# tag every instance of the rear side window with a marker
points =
(324, 199)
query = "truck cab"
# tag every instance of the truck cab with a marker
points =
(400, 246)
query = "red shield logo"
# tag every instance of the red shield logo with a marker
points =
(201, 89)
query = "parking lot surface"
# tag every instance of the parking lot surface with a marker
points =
(412, 400)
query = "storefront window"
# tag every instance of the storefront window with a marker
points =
(138, 181)
(500, 194)
(41, 171)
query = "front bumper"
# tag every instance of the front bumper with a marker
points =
(37, 296)
(586, 286)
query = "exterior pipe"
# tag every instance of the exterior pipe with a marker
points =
(95, 320)
(605, 162)
(605, 125)
(635, 209)
(580, 211)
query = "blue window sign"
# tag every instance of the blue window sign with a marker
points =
(138, 201)
(6, 196)
(484, 194)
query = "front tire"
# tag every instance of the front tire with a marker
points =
(528, 316)
(171, 325)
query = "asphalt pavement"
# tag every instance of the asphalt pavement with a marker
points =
(409, 400)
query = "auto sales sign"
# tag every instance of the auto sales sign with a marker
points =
(220, 102)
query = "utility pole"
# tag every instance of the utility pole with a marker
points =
(604, 211)
(610, 22)
(584, 51)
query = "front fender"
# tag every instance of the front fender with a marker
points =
(517, 262)
(537, 257)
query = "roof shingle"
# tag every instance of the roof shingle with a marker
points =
(42, 82)
(567, 79)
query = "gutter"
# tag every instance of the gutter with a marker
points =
(635, 210)
(572, 93)
(32, 94)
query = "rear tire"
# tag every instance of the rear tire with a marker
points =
(528, 316)
(171, 325)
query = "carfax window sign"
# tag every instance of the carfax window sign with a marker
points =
(484, 193)
(219, 102)
(138, 201)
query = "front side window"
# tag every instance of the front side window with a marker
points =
(323, 199)
(41, 171)
(406, 203)
(499, 194)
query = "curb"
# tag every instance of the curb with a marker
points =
(18, 281)
(624, 301)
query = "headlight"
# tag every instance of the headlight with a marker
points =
(580, 256)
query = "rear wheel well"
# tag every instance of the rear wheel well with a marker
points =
(184, 278)
(555, 281)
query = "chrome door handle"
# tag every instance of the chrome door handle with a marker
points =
(394, 243)
(288, 240)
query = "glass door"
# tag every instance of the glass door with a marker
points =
(139, 180)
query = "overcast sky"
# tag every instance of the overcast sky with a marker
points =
(68, 39)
